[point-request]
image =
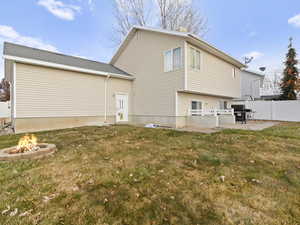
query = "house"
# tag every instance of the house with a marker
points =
(156, 76)
(271, 89)
(251, 84)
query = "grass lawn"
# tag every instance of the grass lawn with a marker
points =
(133, 176)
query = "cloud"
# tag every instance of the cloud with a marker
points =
(9, 34)
(60, 9)
(253, 34)
(254, 54)
(295, 20)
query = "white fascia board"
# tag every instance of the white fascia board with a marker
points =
(176, 33)
(222, 55)
(64, 67)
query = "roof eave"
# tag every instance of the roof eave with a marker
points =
(207, 94)
(130, 35)
(213, 50)
(64, 67)
(190, 36)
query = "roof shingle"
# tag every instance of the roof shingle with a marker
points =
(21, 51)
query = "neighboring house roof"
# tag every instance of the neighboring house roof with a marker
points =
(19, 52)
(254, 72)
(187, 36)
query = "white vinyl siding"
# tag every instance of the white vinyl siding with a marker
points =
(173, 60)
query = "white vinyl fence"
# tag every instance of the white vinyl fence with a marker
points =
(275, 110)
(4, 110)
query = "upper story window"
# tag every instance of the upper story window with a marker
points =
(233, 72)
(195, 59)
(173, 59)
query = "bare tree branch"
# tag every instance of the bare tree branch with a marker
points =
(172, 15)
(129, 13)
(177, 14)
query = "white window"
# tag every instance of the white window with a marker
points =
(168, 61)
(233, 72)
(177, 59)
(173, 59)
(196, 105)
(223, 105)
(195, 59)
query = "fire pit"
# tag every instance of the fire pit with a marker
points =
(28, 148)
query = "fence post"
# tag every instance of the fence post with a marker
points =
(271, 110)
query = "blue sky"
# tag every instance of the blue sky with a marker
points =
(85, 27)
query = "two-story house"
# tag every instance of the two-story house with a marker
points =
(156, 76)
(175, 73)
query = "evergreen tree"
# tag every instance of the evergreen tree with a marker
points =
(4, 91)
(290, 75)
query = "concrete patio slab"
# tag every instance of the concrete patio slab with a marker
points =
(251, 125)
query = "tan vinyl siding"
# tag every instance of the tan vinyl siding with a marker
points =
(208, 102)
(154, 90)
(214, 77)
(118, 86)
(48, 92)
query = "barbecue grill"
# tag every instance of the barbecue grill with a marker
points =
(241, 113)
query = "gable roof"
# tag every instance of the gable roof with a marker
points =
(187, 36)
(16, 51)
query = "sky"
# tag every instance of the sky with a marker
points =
(85, 28)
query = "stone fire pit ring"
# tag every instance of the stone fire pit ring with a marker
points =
(44, 150)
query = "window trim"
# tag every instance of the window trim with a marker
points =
(193, 51)
(194, 100)
(223, 102)
(191, 105)
(233, 72)
(172, 60)
(165, 53)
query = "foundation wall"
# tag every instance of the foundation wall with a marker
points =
(201, 121)
(169, 121)
(23, 125)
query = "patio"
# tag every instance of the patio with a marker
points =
(251, 125)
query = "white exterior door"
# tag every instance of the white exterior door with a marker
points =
(122, 107)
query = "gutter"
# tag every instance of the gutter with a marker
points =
(203, 93)
(65, 67)
(106, 103)
(218, 53)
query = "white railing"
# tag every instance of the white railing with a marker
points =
(211, 112)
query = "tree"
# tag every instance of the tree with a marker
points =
(4, 91)
(177, 14)
(168, 14)
(289, 81)
(129, 13)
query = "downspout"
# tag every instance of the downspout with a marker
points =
(105, 98)
(14, 98)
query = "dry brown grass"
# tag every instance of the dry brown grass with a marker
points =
(129, 175)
